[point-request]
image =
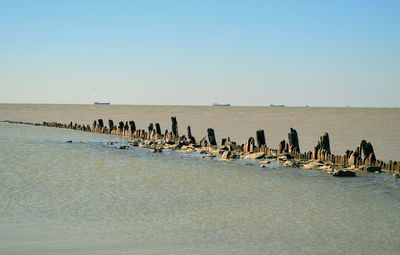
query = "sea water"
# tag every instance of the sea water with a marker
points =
(89, 197)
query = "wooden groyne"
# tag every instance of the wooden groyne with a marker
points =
(288, 153)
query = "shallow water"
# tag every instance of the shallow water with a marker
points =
(87, 197)
(346, 126)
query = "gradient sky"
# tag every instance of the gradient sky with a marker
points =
(317, 53)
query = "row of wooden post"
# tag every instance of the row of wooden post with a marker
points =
(362, 155)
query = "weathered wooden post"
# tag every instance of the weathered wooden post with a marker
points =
(190, 137)
(223, 141)
(250, 145)
(94, 126)
(126, 129)
(365, 149)
(324, 143)
(150, 131)
(371, 159)
(101, 124)
(132, 126)
(111, 124)
(174, 127)
(315, 152)
(158, 129)
(293, 139)
(211, 137)
(281, 146)
(121, 128)
(260, 138)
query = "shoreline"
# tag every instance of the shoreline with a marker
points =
(287, 155)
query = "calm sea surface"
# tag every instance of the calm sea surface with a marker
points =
(87, 197)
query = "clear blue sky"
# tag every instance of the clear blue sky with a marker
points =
(317, 53)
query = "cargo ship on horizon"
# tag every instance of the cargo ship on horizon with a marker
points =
(216, 104)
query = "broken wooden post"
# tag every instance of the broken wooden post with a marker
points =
(101, 124)
(111, 124)
(150, 128)
(211, 137)
(315, 152)
(191, 138)
(174, 127)
(324, 143)
(158, 129)
(94, 126)
(260, 138)
(365, 149)
(281, 147)
(223, 141)
(121, 128)
(132, 126)
(126, 129)
(294, 139)
(249, 146)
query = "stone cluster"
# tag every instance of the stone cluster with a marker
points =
(288, 154)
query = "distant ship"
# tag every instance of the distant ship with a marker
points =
(221, 104)
(277, 105)
(102, 103)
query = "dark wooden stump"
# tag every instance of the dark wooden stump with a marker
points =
(294, 139)
(111, 124)
(324, 143)
(174, 126)
(315, 152)
(132, 126)
(150, 128)
(281, 146)
(223, 141)
(260, 136)
(158, 129)
(121, 126)
(211, 137)
(101, 124)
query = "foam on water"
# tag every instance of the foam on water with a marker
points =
(87, 197)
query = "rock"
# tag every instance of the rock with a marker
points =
(263, 166)
(226, 155)
(229, 155)
(155, 150)
(135, 143)
(256, 155)
(373, 169)
(70, 141)
(123, 147)
(313, 164)
(223, 148)
(290, 163)
(325, 168)
(396, 175)
(344, 173)
(168, 141)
